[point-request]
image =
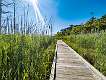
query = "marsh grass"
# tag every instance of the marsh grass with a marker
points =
(91, 46)
(25, 57)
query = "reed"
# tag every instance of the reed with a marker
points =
(25, 57)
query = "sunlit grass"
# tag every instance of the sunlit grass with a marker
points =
(25, 57)
(91, 46)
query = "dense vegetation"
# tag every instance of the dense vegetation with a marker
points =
(91, 26)
(89, 40)
(26, 53)
(25, 57)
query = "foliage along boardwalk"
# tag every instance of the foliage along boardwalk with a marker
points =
(71, 66)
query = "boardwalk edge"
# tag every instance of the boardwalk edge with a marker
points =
(100, 75)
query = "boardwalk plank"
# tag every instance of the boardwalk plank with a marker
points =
(70, 66)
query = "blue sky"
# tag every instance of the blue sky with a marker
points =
(67, 12)
(80, 9)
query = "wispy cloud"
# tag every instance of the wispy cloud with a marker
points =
(48, 7)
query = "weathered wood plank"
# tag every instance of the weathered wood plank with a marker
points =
(71, 66)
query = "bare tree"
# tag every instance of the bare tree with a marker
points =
(3, 3)
(14, 16)
(0, 14)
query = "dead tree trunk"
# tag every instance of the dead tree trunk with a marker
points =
(14, 18)
(0, 15)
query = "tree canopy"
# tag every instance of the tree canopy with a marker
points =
(91, 26)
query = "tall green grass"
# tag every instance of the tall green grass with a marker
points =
(91, 46)
(25, 57)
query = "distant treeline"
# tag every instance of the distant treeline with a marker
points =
(91, 26)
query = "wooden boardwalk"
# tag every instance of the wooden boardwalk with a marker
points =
(71, 66)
